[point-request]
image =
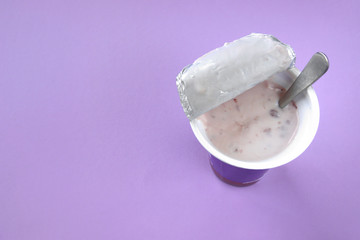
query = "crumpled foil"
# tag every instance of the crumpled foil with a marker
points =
(228, 71)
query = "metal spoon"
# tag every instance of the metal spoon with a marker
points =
(316, 67)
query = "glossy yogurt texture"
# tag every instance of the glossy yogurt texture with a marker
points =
(252, 126)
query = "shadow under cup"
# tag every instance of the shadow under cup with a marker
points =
(242, 172)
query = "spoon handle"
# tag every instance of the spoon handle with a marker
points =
(316, 67)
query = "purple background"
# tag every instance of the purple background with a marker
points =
(94, 143)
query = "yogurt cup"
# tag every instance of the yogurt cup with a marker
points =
(243, 172)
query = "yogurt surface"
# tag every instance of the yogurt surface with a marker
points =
(252, 126)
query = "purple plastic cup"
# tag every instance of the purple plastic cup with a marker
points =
(246, 172)
(235, 175)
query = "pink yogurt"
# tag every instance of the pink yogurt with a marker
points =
(252, 126)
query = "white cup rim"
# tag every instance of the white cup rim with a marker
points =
(300, 143)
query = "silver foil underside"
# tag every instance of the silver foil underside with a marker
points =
(226, 72)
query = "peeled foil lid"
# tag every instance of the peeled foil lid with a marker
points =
(224, 73)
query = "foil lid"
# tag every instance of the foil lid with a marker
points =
(226, 72)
